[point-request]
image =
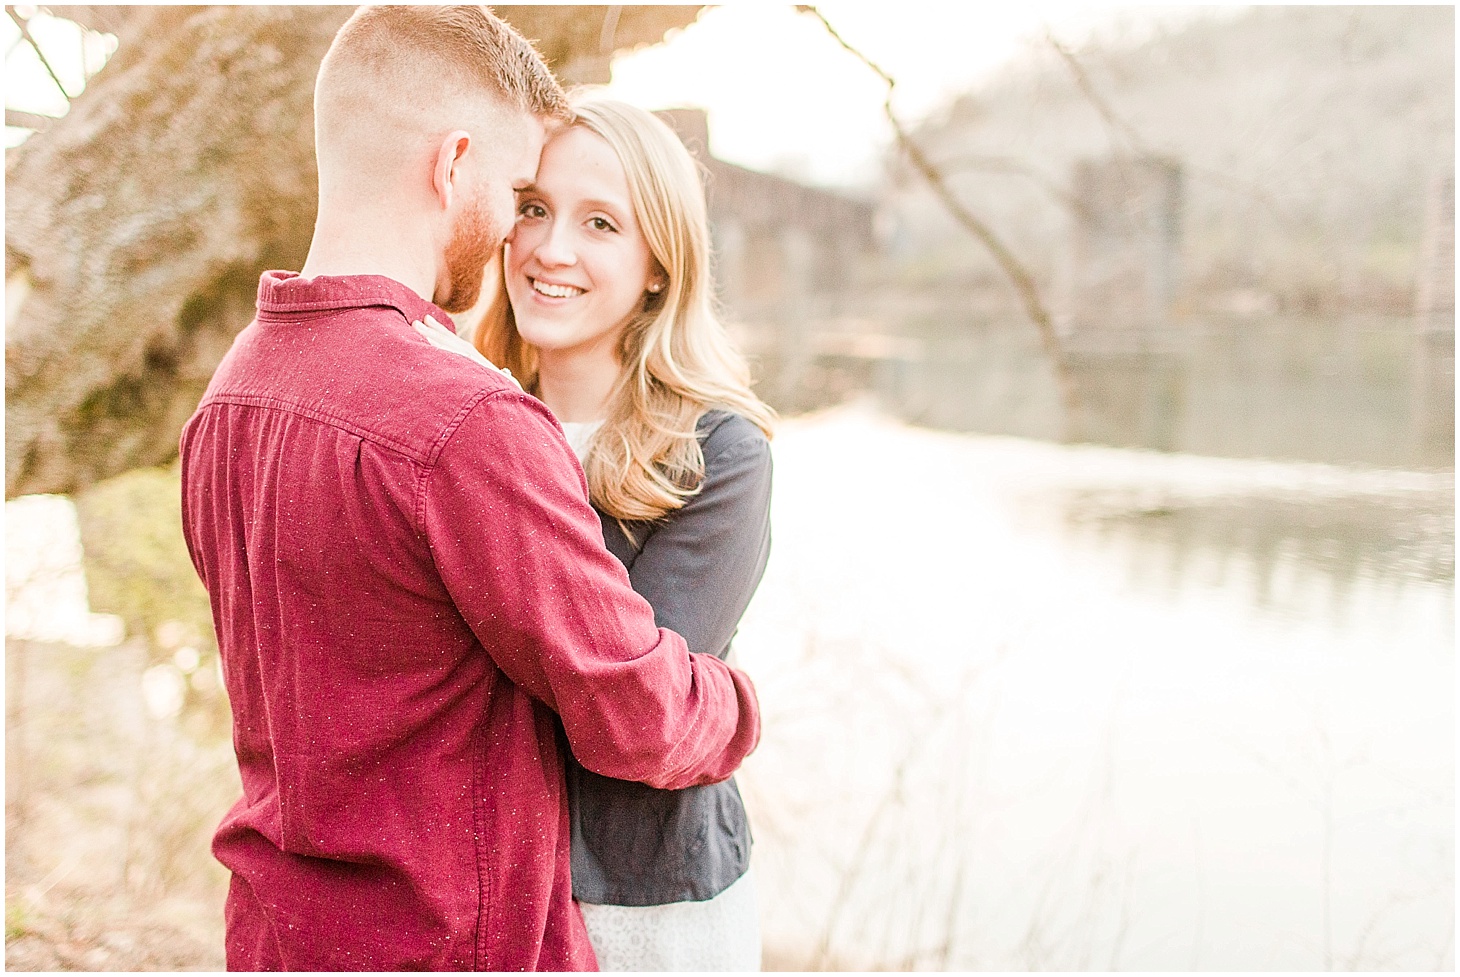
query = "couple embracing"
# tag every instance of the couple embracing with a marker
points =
(472, 620)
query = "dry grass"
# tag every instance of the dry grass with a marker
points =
(109, 812)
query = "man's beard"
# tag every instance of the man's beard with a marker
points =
(474, 240)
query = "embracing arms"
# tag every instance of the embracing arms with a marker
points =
(505, 512)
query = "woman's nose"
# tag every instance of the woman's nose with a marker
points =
(556, 246)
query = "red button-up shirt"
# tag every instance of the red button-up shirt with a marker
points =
(413, 605)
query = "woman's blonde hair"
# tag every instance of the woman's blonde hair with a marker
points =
(677, 362)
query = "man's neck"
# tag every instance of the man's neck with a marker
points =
(348, 244)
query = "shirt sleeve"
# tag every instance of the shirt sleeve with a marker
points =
(701, 567)
(505, 512)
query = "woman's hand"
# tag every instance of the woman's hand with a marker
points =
(442, 338)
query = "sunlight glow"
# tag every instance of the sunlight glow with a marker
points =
(783, 96)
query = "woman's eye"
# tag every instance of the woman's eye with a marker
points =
(600, 224)
(531, 210)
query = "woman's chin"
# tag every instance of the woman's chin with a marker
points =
(538, 338)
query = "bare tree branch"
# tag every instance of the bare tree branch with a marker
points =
(1011, 165)
(28, 120)
(610, 28)
(1013, 269)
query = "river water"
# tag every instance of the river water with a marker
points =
(1039, 706)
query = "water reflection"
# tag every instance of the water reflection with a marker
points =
(1357, 389)
(1283, 539)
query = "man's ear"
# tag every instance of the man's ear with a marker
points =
(449, 154)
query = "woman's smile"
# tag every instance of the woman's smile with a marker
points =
(555, 291)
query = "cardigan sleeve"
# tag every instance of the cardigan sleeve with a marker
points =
(505, 512)
(701, 566)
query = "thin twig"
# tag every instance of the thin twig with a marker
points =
(886, 806)
(1087, 88)
(1013, 269)
(25, 33)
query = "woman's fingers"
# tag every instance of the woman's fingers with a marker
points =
(442, 338)
(438, 334)
(431, 335)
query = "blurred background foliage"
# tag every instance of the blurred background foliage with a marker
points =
(131, 531)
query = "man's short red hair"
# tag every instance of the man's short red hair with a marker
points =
(469, 45)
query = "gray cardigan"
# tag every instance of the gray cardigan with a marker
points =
(634, 845)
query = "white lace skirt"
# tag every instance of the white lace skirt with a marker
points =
(722, 933)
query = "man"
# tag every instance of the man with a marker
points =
(407, 580)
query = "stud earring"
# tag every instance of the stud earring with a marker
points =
(655, 288)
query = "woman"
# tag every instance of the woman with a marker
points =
(609, 320)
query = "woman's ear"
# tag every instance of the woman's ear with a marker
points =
(444, 171)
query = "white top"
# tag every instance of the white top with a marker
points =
(722, 933)
(579, 433)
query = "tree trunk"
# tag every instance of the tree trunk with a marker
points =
(138, 224)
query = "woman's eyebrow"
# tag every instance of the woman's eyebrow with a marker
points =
(609, 205)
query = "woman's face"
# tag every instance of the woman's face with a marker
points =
(577, 265)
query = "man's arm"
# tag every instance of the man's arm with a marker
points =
(505, 512)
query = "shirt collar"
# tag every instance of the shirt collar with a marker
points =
(285, 291)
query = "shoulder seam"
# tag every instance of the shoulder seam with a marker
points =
(266, 402)
(428, 466)
(754, 437)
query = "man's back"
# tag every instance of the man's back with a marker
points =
(407, 583)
